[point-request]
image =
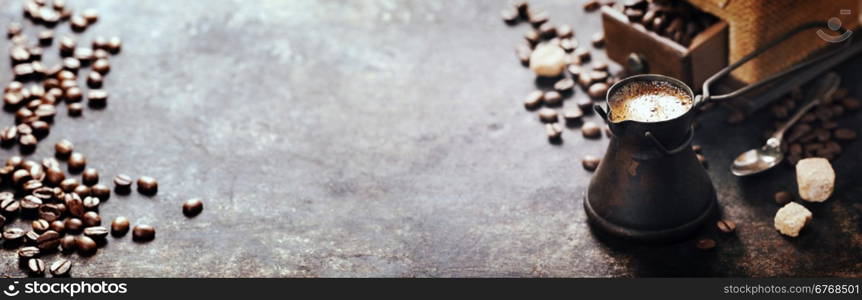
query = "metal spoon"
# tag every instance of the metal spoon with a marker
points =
(758, 160)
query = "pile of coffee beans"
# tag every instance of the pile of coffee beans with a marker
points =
(63, 211)
(818, 133)
(39, 89)
(582, 70)
(673, 19)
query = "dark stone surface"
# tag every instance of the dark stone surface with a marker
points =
(384, 138)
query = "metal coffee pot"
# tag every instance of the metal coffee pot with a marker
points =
(650, 185)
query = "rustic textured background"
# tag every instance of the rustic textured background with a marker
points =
(384, 138)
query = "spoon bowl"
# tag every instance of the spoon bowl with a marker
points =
(758, 160)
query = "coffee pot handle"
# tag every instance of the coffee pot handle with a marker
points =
(689, 137)
(712, 79)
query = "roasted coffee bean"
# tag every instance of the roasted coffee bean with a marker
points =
(583, 54)
(696, 148)
(844, 134)
(123, 183)
(83, 55)
(78, 23)
(564, 85)
(553, 98)
(547, 31)
(565, 31)
(58, 226)
(598, 39)
(72, 64)
(598, 90)
(14, 29)
(538, 18)
(54, 176)
(726, 226)
(31, 186)
(585, 104)
(101, 54)
(510, 15)
(67, 244)
(120, 226)
(94, 80)
(23, 71)
(49, 212)
(19, 54)
(523, 52)
(143, 233)
(14, 234)
(48, 241)
(592, 5)
(30, 237)
(73, 94)
(28, 252)
(68, 185)
(706, 244)
(9, 136)
(850, 104)
(82, 190)
(73, 225)
(569, 45)
(546, 115)
(702, 160)
(27, 143)
(74, 204)
(97, 98)
(46, 112)
(114, 45)
(533, 101)
(75, 109)
(61, 267)
(148, 185)
(573, 115)
(30, 203)
(91, 218)
(46, 37)
(91, 203)
(90, 15)
(90, 176)
(40, 225)
(193, 207)
(96, 232)
(20, 176)
(100, 191)
(77, 162)
(554, 132)
(35, 266)
(591, 130)
(45, 193)
(86, 246)
(10, 205)
(590, 163)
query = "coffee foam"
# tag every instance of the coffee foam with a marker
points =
(649, 101)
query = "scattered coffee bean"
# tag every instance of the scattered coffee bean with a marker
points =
(553, 131)
(591, 130)
(148, 185)
(90, 176)
(81, 190)
(844, 134)
(193, 207)
(58, 226)
(553, 98)
(77, 162)
(706, 244)
(68, 185)
(28, 252)
(143, 233)
(590, 163)
(598, 39)
(592, 5)
(46, 37)
(63, 148)
(14, 234)
(114, 45)
(510, 15)
(67, 244)
(48, 241)
(585, 104)
(123, 183)
(538, 18)
(61, 268)
(96, 232)
(702, 160)
(547, 115)
(35, 266)
(573, 115)
(49, 212)
(91, 203)
(78, 23)
(86, 246)
(533, 101)
(75, 109)
(598, 90)
(40, 225)
(120, 226)
(100, 191)
(726, 226)
(90, 15)
(91, 218)
(564, 85)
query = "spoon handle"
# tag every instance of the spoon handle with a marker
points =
(824, 88)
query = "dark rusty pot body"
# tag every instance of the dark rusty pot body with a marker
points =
(650, 185)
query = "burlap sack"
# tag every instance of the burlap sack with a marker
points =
(754, 23)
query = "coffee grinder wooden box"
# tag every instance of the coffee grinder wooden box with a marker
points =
(744, 26)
